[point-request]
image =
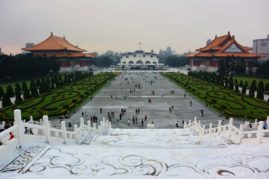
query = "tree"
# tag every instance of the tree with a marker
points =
(252, 89)
(18, 93)
(244, 88)
(6, 100)
(241, 84)
(231, 82)
(263, 70)
(24, 86)
(260, 90)
(236, 86)
(33, 89)
(26, 66)
(26, 94)
(266, 88)
(176, 61)
(1, 93)
(10, 91)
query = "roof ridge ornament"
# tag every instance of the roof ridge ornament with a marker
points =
(51, 34)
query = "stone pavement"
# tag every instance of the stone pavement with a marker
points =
(157, 111)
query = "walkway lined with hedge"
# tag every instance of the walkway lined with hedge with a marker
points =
(223, 100)
(60, 101)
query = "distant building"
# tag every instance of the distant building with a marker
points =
(166, 53)
(140, 60)
(29, 45)
(72, 57)
(207, 58)
(261, 46)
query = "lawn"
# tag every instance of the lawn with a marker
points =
(222, 100)
(61, 101)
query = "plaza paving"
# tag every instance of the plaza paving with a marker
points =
(157, 111)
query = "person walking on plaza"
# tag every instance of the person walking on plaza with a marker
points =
(101, 110)
(190, 103)
(177, 124)
(202, 112)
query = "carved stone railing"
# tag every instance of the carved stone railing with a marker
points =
(237, 135)
(22, 132)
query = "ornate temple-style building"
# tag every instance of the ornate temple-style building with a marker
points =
(72, 57)
(207, 58)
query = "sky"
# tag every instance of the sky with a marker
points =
(119, 25)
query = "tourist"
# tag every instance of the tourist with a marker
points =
(184, 95)
(120, 116)
(265, 125)
(177, 124)
(69, 124)
(202, 112)
(101, 110)
(142, 122)
(146, 117)
(6, 126)
(82, 114)
(190, 103)
(170, 110)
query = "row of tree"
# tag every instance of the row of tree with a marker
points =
(228, 81)
(239, 67)
(37, 87)
(26, 66)
(176, 61)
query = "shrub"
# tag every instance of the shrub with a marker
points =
(74, 101)
(213, 101)
(223, 107)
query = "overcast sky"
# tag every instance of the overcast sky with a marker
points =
(119, 25)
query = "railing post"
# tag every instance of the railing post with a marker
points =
(63, 128)
(81, 122)
(210, 128)
(230, 126)
(256, 122)
(75, 131)
(89, 126)
(241, 128)
(31, 120)
(3, 123)
(219, 126)
(184, 125)
(259, 132)
(18, 122)
(46, 125)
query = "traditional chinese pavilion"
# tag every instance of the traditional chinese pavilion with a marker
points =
(223, 47)
(72, 57)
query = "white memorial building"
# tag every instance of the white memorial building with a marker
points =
(140, 60)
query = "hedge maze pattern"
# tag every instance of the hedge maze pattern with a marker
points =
(225, 101)
(61, 101)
